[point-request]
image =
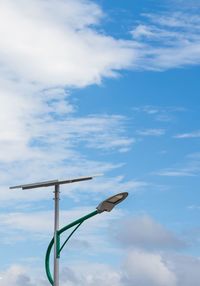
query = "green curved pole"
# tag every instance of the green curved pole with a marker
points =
(47, 257)
(59, 250)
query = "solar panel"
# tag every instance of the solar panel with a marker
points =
(53, 183)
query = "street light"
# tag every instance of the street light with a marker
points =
(106, 205)
(56, 184)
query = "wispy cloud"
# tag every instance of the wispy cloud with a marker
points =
(151, 132)
(194, 134)
(159, 113)
(170, 40)
(174, 173)
(189, 168)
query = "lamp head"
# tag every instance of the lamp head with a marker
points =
(111, 202)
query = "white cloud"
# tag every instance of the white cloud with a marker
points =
(45, 44)
(85, 274)
(143, 268)
(139, 267)
(41, 131)
(90, 274)
(186, 268)
(43, 51)
(14, 276)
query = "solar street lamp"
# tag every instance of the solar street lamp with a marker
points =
(106, 205)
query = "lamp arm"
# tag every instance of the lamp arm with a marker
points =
(69, 237)
(47, 257)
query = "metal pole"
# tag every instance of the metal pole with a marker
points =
(56, 228)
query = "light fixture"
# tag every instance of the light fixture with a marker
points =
(108, 204)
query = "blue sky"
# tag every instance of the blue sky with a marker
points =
(106, 87)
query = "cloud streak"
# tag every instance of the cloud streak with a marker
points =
(194, 134)
(151, 132)
(170, 40)
(190, 168)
